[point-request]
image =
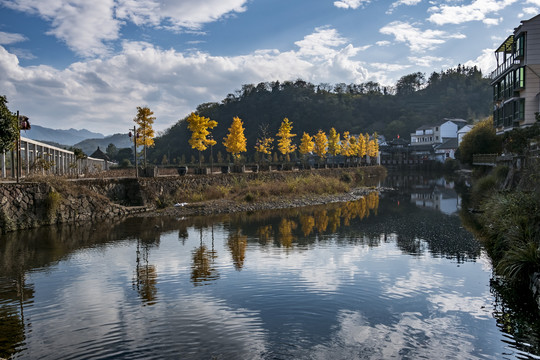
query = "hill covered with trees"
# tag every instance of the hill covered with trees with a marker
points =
(460, 92)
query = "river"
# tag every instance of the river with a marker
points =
(391, 276)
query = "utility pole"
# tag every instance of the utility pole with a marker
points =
(135, 136)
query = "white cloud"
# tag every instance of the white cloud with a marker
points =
(102, 94)
(534, 2)
(417, 39)
(87, 27)
(11, 38)
(485, 62)
(383, 43)
(350, 4)
(475, 11)
(402, 2)
(492, 21)
(425, 61)
(83, 25)
(531, 11)
(389, 67)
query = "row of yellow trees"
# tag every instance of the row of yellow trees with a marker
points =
(320, 144)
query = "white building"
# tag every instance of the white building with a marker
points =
(437, 133)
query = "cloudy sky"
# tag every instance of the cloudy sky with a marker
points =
(89, 64)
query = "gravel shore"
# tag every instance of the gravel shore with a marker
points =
(222, 206)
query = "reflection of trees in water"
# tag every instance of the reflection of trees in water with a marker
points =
(237, 243)
(517, 315)
(14, 295)
(307, 223)
(265, 234)
(145, 275)
(202, 268)
(285, 232)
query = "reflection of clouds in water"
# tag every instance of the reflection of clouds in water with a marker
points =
(412, 337)
(484, 259)
(223, 331)
(416, 281)
(478, 307)
(322, 270)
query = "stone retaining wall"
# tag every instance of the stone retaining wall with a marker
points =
(26, 205)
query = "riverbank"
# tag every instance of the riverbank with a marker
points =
(506, 216)
(45, 201)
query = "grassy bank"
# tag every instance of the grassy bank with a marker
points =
(508, 221)
(294, 184)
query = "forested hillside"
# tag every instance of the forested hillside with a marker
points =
(461, 92)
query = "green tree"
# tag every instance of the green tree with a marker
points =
(111, 151)
(9, 131)
(482, 139)
(144, 121)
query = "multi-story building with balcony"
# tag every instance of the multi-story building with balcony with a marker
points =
(516, 80)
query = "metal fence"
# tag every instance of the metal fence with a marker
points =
(38, 158)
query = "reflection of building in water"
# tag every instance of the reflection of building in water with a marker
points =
(437, 194)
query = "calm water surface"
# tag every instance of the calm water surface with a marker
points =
(394, 276)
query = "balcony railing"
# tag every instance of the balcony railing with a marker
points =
(508, 63)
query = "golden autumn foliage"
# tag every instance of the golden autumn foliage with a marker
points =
(285, 145)
(306, 144)
(199, 125)
(346, 148)
(235, 141)
(362, 145)
(264, 145)
(334, 143)
(144, 121)
(321, 144)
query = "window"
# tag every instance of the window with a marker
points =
(519, 109)
(519, 49)
(436, 138)
(519, 78)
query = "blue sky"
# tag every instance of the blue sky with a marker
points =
(89, 64)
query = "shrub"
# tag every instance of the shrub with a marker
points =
(483, 187)
(53, 203)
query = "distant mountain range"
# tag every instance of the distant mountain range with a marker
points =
(67, 137)
(83, 139)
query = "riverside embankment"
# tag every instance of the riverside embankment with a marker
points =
(46, 201)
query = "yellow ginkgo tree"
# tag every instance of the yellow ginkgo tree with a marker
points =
(199, 126)
(346, 149)
(235, 141)
(144, 121)
(334, 143)
(321, 144)
(306, 145)
(264, 144)
(285, 145)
